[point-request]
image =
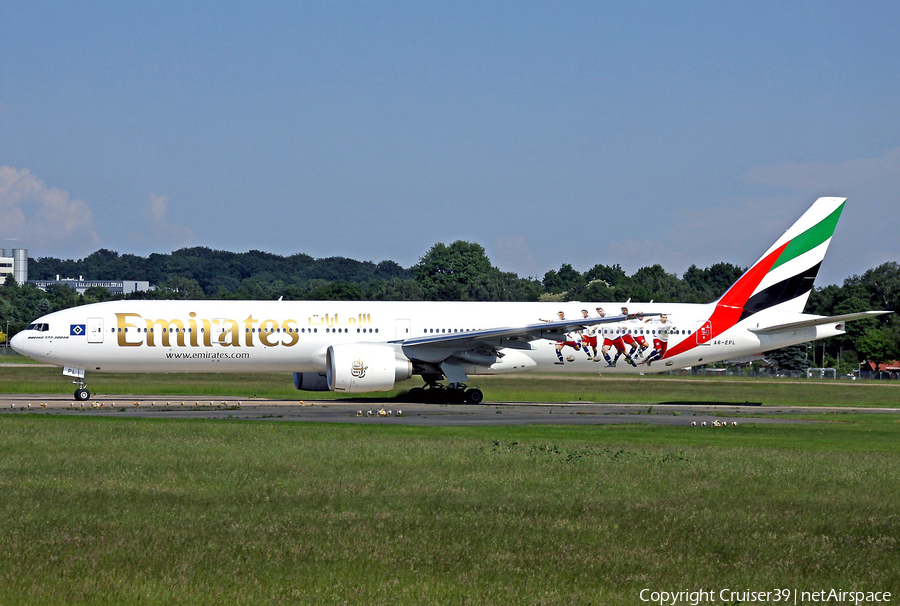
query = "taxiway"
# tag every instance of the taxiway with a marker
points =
(398, 413)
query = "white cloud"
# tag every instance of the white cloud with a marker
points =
(43, 219)
(160, 231)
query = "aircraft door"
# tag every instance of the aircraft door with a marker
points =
(703, 332)
(403, 328)
(218, 326)
(95, 330)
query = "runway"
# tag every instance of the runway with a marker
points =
(396, 413)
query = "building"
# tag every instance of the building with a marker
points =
(15, 265)
(886, 370)
(116, 287)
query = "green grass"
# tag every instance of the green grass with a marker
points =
(650, 389)
(8, 356)
(154, 511)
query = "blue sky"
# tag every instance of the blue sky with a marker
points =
(582, 133)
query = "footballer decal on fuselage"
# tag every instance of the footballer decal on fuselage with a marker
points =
(630, 338)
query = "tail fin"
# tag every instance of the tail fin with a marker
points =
(784, 275)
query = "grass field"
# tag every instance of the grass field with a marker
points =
(153, 511)
(649, 389)
(105, 510)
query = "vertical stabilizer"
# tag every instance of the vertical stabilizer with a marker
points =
(783, 277)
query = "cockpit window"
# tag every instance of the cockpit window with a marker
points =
(38, 326)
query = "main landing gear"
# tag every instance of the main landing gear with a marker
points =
(455, 393)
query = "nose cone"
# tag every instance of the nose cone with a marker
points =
(18, 344)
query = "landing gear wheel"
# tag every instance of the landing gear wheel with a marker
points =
(435, 394)
(82, 394)
(474, 396)
(455, 396)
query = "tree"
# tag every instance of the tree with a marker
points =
(711, 283)
(662, 286)
(63, 297)
(877, 346)
(496, 285)
(793, 358)
(98, 294)
(882, 284)
(598, 290)
(183, 288)
(338, 291)
(396, 289)
(611, 274)
(446, 273)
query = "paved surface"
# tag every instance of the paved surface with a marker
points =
(347, 411)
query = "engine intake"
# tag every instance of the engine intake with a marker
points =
(362, 367)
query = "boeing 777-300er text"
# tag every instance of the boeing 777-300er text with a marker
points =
(365, 346)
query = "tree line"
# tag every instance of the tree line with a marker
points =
(460, 271)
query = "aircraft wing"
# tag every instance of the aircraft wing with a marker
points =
(817, 322)
(505, 337)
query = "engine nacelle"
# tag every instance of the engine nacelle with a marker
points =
(361, 367)
(311, 381)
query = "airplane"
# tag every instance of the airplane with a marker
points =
(370, 346)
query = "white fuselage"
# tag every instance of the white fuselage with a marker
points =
(285, 336)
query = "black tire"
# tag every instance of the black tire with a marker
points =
(455, 396)
(82, 394)
(474, 396)
(435, 395)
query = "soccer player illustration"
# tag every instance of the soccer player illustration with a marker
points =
(639, 339)
(570, 342)
(595, 339)
(662, 328)
(609, 341)
(588, 339)
(615, 337)
(626, 340)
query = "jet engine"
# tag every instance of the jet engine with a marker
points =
(360, 367)
(311, 381)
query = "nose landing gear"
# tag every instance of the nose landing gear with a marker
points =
(82, 393)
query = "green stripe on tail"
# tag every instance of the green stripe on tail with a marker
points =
(811, 238)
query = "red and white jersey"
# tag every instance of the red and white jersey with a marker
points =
(661, 329)
(633, 327)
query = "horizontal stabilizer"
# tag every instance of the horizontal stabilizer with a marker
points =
(818, 321)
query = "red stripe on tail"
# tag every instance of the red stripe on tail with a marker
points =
(729, 307)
